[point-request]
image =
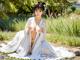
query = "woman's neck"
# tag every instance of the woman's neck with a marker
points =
(37, 20)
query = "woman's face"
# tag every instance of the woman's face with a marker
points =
(38, 12)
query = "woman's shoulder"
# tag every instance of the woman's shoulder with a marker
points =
(31, 18)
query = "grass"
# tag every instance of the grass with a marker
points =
(63, 40)
(5, 36)
(51, 37)
(5, 57)
(11, 58)
(64, 25)
(64, 30)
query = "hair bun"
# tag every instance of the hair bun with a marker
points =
(41, 3)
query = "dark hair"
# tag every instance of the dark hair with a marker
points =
(39, 5)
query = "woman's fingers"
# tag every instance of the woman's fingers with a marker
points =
(36, 29)
(41, 30)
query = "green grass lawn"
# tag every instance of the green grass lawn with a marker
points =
(51, 37)
(63, 39)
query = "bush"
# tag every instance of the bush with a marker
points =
(16, 26)
(13, 24)
(77, 11)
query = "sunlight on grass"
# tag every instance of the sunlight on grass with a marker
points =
(6, 35)
(63, 40)
(64, 25)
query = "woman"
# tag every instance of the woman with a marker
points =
(30, 42)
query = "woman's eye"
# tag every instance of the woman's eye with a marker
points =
(40, 11)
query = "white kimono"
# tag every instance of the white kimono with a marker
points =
(21, 43)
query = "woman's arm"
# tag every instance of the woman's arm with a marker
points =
(33, 32)
(41, 30)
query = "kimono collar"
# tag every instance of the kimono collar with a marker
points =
(39, 22)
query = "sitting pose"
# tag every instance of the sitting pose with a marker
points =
(30, 42)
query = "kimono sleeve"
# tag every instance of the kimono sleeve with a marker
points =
(27, 24)
(44, 27)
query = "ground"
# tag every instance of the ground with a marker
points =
(5, 57)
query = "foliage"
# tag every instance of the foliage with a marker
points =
(6, 57)
(6, 35)
(16, 26)
(64, 30)
(57, 7)
(13, 24)
(16, 7)
(67, 26)
(77, 11)
(12, 58)
(63, 39)
(51, 37)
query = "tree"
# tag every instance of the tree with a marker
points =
(55, 7)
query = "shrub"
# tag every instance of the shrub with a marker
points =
(14, 24)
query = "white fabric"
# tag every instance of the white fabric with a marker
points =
(19, 46)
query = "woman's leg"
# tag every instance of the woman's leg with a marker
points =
(39, 40)
(33, 36)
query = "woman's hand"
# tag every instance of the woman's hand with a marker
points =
(41, 30)
(38, 29)
(33, 32)
(31, 29)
